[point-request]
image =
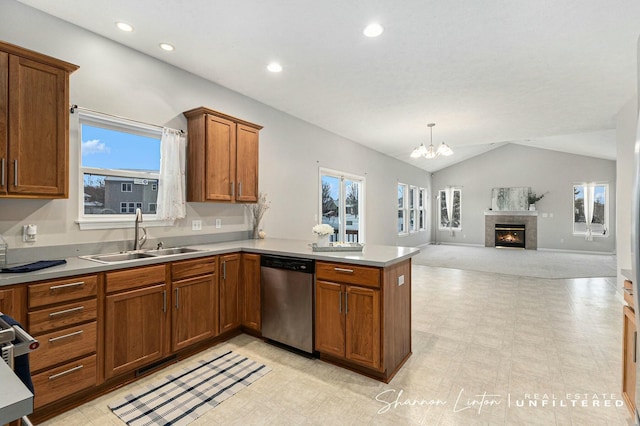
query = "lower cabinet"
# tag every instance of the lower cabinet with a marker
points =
(629, 342)
(136, 320)
(230, 309)
(348, 322)
(63, 316)
(251, 314)
(194, 316)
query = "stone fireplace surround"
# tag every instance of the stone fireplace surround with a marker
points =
(528, 218)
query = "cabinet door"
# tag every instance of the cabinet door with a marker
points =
(220, 157)
(7, 302)
(38, 129)
(195, 310)
(247, 164)
(230, 309)
(4, 116)
(362, 306)
(629, 342)
(330, 318)
(251, 314)
(135, 328)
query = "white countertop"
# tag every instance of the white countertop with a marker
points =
(372, 255)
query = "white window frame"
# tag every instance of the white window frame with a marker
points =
(113, 221)
(440, 195)
(403, 209)
(607, 206)
(342, 214)
(422, 208)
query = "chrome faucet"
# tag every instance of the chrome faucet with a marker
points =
(139, 242)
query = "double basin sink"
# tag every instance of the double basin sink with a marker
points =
(126, 256)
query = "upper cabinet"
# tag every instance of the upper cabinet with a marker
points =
(222, 157)
(34, 124)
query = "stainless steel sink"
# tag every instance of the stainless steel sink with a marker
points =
(135, 255)
(169, 251)
(117, 257)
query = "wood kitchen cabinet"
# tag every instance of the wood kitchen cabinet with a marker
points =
(34, 124)
(230, 308)
(222, 157)
(629, 349)
(194, 317)
(63, 316)
(349, 325)
(250, 294)
(136, 319)
(348, 322)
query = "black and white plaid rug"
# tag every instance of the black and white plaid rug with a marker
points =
(181, 398)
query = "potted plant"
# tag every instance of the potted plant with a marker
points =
(533, 198)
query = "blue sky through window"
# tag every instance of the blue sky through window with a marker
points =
(110, 149)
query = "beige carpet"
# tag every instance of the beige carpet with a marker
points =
(528, 263)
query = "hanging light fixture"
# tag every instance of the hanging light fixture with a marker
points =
(431, 152)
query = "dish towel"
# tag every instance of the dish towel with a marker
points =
(20, 363)
(35, 266)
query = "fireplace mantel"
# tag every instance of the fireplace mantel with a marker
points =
(510, 213)
(528, 218)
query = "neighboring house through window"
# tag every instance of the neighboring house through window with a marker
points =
(120, 166)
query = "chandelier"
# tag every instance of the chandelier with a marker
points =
(431, 152)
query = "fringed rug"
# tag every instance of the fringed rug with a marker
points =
(181, 398)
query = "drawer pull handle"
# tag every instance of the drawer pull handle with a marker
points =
(64, 373)
(58, 287)
(75, 333)
(347, 271)
(66, 311)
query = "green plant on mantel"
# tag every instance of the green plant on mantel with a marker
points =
(534, 198)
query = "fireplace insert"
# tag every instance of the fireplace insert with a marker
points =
(510, 235)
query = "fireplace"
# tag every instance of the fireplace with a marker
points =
(510, 235)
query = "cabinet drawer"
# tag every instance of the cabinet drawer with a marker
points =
(63, 345)
(192, 268)
(62, 316)
(348, 274)
(62, 290)
(133, 278)
(65, 380)
(627, 292)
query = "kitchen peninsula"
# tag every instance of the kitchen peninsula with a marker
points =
(93, 311)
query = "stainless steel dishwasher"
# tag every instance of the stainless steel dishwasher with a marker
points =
(287, 300)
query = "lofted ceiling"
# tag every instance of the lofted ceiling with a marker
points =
(546, 73)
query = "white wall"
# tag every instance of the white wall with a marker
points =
(117, 80)
(550, 172)
(625, 145)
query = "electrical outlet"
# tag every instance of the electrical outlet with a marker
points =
(196, 225)
(218, 223)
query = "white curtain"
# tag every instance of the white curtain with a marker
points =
(448, 200)
(589, 205)
(171, 192)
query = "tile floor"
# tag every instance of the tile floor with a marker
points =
(526, 343)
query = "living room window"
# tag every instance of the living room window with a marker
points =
(342, 204)
(591, 209)
(120, 167)
(422, 201)
(450, 209)
(403, 215)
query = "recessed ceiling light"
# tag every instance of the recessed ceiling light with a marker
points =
(373, 30)
(166, 46)
(274, 67)
(124, 26)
